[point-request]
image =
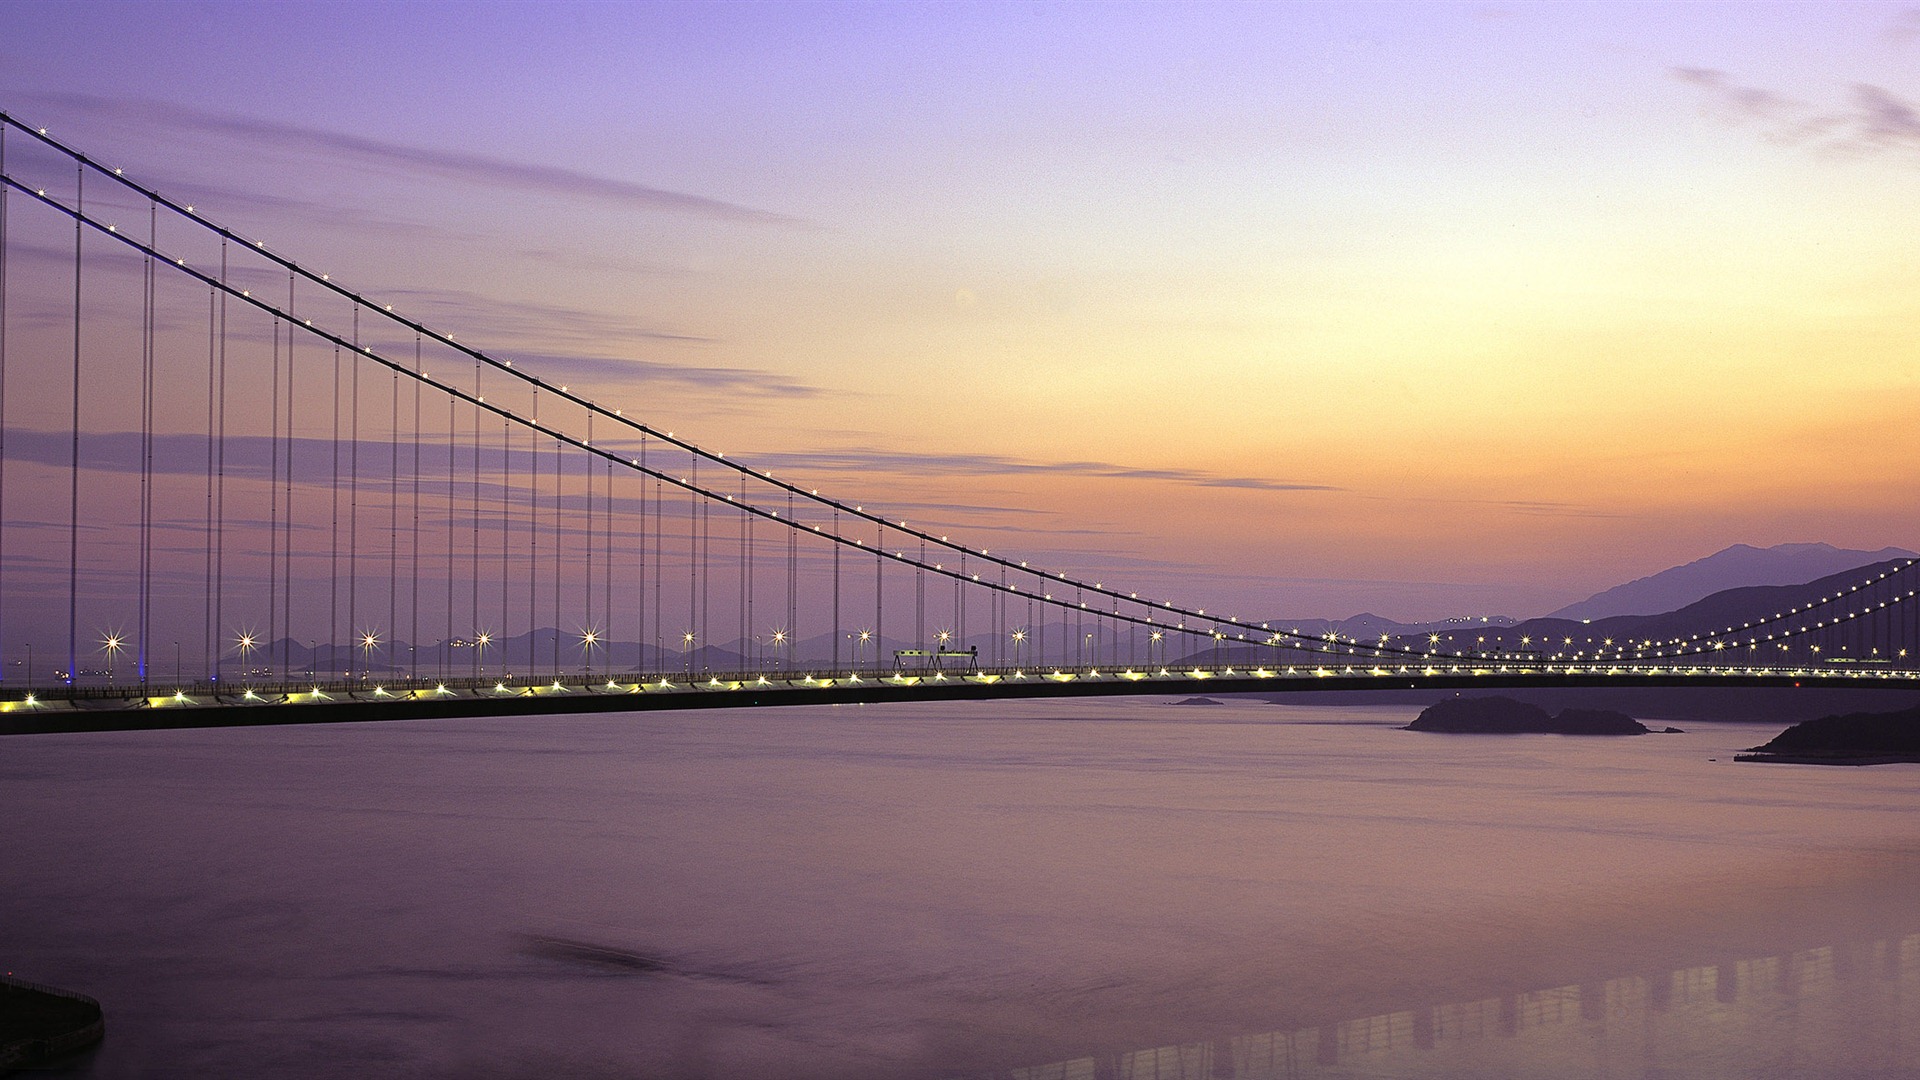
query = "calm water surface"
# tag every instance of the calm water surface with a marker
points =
(1079, 889)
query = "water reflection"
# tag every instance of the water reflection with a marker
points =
(1844, 1010)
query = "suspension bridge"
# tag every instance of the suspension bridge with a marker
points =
(235, 491)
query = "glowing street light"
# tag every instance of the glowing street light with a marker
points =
(368, 642)
(588, 639)
(246, 642)
(111, 645)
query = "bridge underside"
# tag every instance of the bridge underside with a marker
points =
(104, 709)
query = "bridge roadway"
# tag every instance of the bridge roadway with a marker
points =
(136, 708)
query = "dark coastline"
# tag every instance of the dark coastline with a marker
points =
(1887, 738)
(40, 1024)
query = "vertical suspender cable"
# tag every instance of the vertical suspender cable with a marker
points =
(836, 589)
(705, 629)
(4, 191)
(393, 523)
(1000, 619)
(606, 567)
(453, 428)
(333, 551)
(473, 598)
(73, 475)
(559, 489)
(206, 596)
(746, 570)
(1040, 631)
(533, 532)
(793, 579)
(353, 511)
(642, 662)
(693, 568)
(220, 489)
(659, 560)
(506, 535)
(148, 316)
(588, 628)
(413, 545)
(286, 569)
(273, 502)
(960, 620)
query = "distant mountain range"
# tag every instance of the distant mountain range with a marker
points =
(1736, 567)
(1735, 606)
(1728, 607)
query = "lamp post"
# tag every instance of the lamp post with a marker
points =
(245, 643)
(111, 646)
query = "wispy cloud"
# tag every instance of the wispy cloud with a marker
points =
(1904, 27)
(1872, 119)
(864, 460)
(464, 167)
(549, 366)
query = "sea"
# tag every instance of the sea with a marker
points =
(1144, 888)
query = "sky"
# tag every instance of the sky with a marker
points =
(1424, 310)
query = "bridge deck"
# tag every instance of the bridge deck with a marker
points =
(129, 708)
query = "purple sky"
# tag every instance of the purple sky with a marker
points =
(1419, 309)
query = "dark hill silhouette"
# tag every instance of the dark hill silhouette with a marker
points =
(1852, 739)
(1732, 607)
(1739, 566)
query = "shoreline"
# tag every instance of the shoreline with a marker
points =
(40, 1024)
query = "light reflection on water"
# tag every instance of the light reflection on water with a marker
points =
(960, 890)
(1847, 1010)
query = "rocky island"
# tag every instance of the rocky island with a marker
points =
(1505, 716)
(1852, 739)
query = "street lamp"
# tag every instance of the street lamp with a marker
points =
(480, 642)
(368, 640)
(245, 642)
(587, 640)
(111, 645)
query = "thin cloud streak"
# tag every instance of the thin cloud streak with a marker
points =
(470, 168)
(862, 460)
(626, 369)
(1875, 120)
